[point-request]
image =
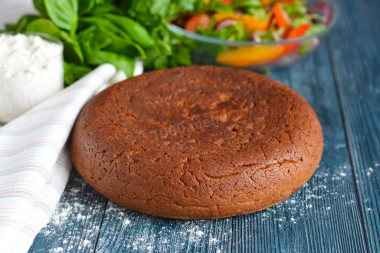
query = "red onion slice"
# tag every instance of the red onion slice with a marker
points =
(225, 22)
(256, 36)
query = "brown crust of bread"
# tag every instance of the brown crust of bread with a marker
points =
(197, 142)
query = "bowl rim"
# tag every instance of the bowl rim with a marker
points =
(195, 36)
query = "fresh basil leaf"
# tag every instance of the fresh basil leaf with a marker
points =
(121, 42)
(73, 72)
(92, 39)
(122, 62)
(100, 38)
(159, 7)
(21, 24)
(101, 9)
(40, 6)
(105, 1)
(64, 14)
(94, 43)
(86, 6)
(122, 46)
(73, 52)
(182, 55)
(187, 5)
(135, 31)
(9, 28)
(161, 62)
(44, 26)
(102, 22)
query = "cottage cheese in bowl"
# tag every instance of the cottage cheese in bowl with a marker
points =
(31, 70)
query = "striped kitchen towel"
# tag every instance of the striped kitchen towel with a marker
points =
(35, 163)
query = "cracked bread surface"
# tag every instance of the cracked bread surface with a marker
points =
(197, 142)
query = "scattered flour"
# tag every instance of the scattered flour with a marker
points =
(126, 222)
(61, 215)
(199, 233)
(370, 171)
(212, 240)
(339, 146)
(85, 243)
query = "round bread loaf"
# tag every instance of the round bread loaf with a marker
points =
(197, 142)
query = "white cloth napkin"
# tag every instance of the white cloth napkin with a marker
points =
(35, 163)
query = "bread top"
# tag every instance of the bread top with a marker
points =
(192, 129)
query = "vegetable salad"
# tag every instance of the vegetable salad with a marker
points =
(256, 20)
(264, 23)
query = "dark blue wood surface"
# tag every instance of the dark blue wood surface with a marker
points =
(336, 211)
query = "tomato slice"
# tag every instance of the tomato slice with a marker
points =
(201, 19)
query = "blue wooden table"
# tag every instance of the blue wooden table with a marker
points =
(336, 211)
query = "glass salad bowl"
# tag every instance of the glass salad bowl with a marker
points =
(259, 56)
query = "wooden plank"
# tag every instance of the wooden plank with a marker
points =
(356, 55)
(336, 224)
(328, 203)
(76, 222)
